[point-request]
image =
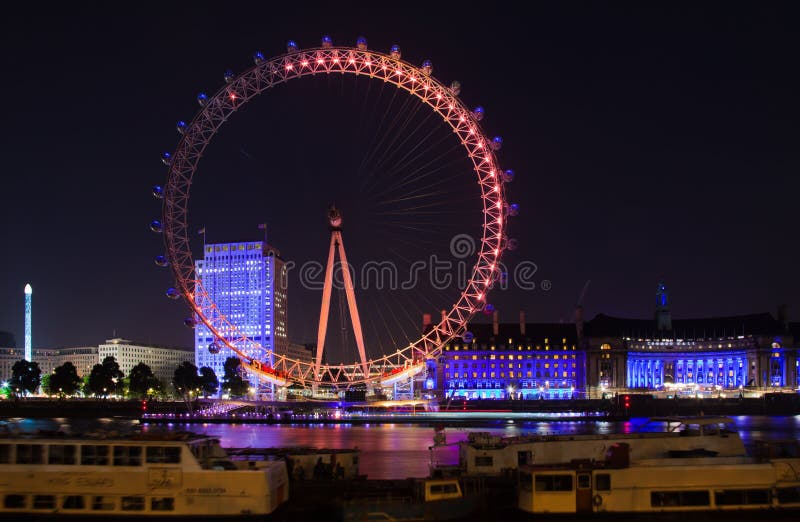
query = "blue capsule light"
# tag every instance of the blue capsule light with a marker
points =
(361, 43)
(513, 209)
(291, 46)
(488, 309)
(327, 41)
(478, 112)
(214, 348)
(497, 143)
(202, 99)
(427, 66)
(258, 57)
(468, 337)
(156, 226)
(180, 127)
(173, 293)
(166, 158)
(228, 76)
(508, 176)
(158, 192)
(394, 52)
(161, 261)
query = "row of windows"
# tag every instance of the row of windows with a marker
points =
(90, 455)
(511, 357)
(96, 503)
(480, 347)
(478, 366)
(493, 375)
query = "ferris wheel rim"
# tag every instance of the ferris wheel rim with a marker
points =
(416, 81)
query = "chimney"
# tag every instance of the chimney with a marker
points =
(783, 316)
(426, 323)
(522, 323)
(579, 322)
(495, 323)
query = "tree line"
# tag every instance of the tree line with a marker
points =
(107, 379)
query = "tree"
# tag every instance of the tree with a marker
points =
(45, 383)
(209, 384)
(185, 379)
(25, 377)
(141, 381)
(232, 381)
(113, 374)
(105, 378)
(64, 380)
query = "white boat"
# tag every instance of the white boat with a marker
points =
(144, 475)
(651, 486)
(485, 454)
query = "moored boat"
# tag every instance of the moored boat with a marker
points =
(170, 475)
(616, 485)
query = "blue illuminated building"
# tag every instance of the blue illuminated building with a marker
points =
(513, 361)
(247, 282)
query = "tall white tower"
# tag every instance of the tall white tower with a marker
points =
(28, 343)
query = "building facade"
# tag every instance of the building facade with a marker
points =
(512, 361)
(247, 283)
(161, 360)
(82, 357)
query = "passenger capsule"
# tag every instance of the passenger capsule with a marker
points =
(202, 99)
(512, 244)
(291, 46)
(228, 76)
(361, 43)
(156, 226)
(497, 143)
(214, 348)
(478, 113)
(180, 127)
(455, 87)
(513, 209)
(508, 176)
(189, 322)
(488, 309)
(158, 192)
(258, 57)
(161, 261)
(467, 337)
(503, 277)
(327, 42)
(173, 293)
(166, 158)
(394, 52)
(427, 67)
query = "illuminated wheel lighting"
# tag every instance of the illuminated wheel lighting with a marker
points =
(258, 79)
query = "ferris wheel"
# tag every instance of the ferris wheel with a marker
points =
(405, 361)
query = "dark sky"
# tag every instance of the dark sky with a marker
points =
(650, 142)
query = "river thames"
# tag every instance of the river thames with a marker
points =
(396, 451)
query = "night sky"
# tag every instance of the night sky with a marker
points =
(649, 143)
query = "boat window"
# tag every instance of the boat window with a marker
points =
(602, 482)
(789, 495)
(44, 502)
(526, 481)
(132, 503)
(524, 458)
(438, 489)
(30, 454)
(162, 504)
(679, 498)
(484, 461)
(163, 454)
(584, 481)
(102, 503)
(127, 455)
(553, 482)
(5, 453)
(729, 497)
(92, 455)
(73, 502)
(61, 454)
(14, 501)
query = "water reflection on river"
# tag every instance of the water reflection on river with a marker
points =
(401, 450)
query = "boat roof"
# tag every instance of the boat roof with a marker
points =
(700, 420)
(95, 436)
